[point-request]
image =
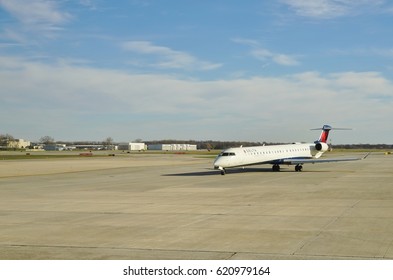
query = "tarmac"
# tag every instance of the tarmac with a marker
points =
(169, 206)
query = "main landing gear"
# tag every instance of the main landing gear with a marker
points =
(298, 168)
(276, 167)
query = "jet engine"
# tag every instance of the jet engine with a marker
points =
(321, 147)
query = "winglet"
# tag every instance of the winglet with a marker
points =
(366, 155)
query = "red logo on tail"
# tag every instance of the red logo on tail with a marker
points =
(324, 134)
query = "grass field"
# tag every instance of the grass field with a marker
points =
(29, 155)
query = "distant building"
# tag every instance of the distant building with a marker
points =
(132, 146)
(37, 146)
(173, 147)
(54, 147)
(88, 147)
(18, 144)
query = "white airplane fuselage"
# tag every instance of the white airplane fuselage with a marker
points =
(290, 154)
(276, 155)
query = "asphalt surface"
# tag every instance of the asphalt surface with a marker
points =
(177, 207)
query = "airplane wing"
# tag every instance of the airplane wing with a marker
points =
(301, 161)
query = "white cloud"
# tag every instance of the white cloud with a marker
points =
(35, 12)
(324, 9)
(317, 8)
(14, 36)
(266, 55)
(387, 53)
(88, 3)
(168, 58)
(38, 16)
(58, 100)
(282, 59)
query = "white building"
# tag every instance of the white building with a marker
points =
(173, 147)
(132, 146)
(18, 144)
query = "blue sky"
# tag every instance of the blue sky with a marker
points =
(221, 70)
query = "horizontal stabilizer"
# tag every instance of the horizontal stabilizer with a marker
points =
(325, 132)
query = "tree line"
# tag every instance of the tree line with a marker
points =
(201, 144)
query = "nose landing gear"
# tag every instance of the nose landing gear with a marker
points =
(222, 170)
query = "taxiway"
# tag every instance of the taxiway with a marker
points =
(176, 207)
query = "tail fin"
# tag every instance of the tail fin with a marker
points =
(325, 132)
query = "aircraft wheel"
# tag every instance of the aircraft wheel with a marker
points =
(276, 167)
(223, 172)
(298, 168)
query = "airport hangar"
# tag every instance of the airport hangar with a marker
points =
(158, 147)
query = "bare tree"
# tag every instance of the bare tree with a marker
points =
(108, 143)
(47, 140)
(5, 139)
(210, 146)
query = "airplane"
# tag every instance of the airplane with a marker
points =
(289, 154)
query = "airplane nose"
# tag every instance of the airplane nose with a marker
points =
(218, 162)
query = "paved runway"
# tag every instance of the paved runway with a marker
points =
(176, 207)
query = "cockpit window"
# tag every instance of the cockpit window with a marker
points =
(228, 154)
